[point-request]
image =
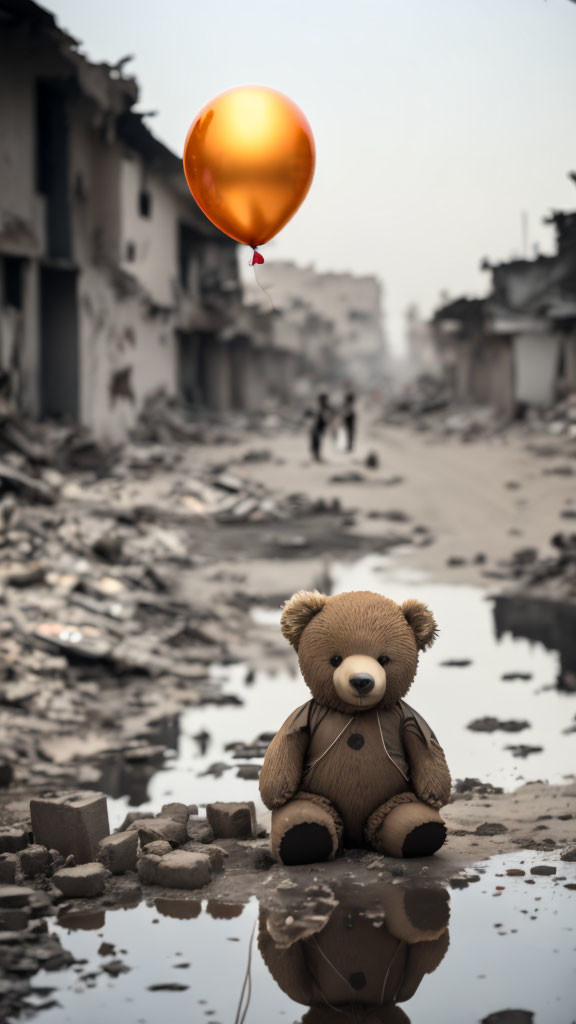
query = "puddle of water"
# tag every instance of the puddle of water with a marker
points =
(448, 697)
(511, 945)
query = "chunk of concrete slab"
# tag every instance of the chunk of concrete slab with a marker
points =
(147, 868)
(8, 865)
(158, 848)
(72, 823)
(182, 870)
(15, 895)
(83, 880)
(13, 838)
(151, 829)
(118, 852)
(175, 811)
(35, 860)
(232, 820)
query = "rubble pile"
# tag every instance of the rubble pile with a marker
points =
(554, 576)
(65, 853)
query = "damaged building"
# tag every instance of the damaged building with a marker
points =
(113, 283)
(339, 317)
(516, 348)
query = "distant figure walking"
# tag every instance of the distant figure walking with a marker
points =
(321, 419)
(349, 420)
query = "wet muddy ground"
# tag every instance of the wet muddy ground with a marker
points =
(366, 939)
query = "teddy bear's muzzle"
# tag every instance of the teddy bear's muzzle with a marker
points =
(360, 680)
(362, 683)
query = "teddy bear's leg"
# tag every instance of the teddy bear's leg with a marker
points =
(405, 827)
(305, 830)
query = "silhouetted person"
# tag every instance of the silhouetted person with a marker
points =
(320, 421)
(349, 420)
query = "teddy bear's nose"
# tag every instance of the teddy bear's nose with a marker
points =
(362, 683)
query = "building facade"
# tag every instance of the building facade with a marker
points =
(516, 348)
(113, 284)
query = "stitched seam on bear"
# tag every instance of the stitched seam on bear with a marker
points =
(391, 759)
(310, 767)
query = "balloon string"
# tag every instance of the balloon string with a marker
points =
(274, 310)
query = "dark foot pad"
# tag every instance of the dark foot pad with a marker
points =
(306, 843)
(424, 840)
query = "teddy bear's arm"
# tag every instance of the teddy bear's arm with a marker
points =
(281, 773)
(428, 769)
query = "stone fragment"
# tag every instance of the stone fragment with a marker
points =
(182, 870)
(543, 869)
(15, 895)
(13, 838)
(83, 880)
(6, 773)
(133, 816)
(147, 868)
(14, 918)
(215, 854)
(249, 771)
(199, 830)
(232, 820)
(35, 860)
(176, 812)
(72, 823)
(119, 851)
(491, 828)
(569, 854)
(8, 865)
(150, 829)
(158, 848)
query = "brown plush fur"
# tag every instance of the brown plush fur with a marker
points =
(358, 775)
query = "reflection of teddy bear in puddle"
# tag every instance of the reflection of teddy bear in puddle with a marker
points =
(355, 765)
(364, 960)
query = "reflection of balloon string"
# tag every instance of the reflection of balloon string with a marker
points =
(247, 986)
(274, 310)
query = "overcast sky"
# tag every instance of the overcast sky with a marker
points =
(437, 122)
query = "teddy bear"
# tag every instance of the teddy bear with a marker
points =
(355, 766)
(371, 954)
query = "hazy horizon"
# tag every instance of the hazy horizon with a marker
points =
(437, 124)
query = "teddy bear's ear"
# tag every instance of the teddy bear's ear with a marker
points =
(297, 613)
(421, 622)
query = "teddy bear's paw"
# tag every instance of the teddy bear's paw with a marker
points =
(306, 844)
(424, 840)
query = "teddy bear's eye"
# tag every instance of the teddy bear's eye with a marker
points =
(335, 660)
(383, 659)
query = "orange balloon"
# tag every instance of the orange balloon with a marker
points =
(249, 161)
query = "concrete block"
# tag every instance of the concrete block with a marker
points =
(15, 895)
(160, 828)
(8, 865)
(72, 823)
(119, 852)
(83, 880)
(232, 820)
(147, 867)
(158, 848)
(13, 838)
(216, 855)
(35, 860)
(175, 811)
(181, 870)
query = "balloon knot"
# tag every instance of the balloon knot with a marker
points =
(256, 257)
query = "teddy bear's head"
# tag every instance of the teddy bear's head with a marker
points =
(357, 650)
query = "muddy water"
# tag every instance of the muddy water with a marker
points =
(500, 943)
(449, 697)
